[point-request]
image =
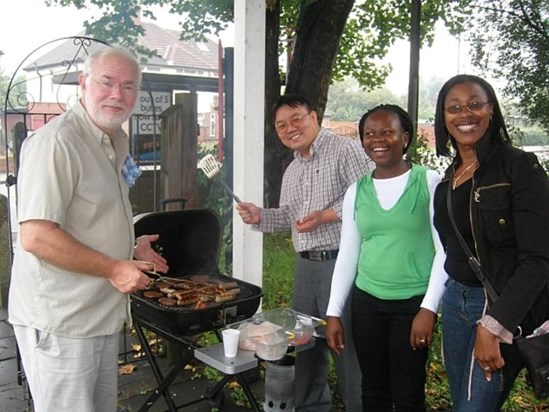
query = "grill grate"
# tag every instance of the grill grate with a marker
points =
(205, 281)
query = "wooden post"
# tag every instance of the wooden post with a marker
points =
(179, 154)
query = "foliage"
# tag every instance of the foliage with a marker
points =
(346, 101)
(18, 87)
(511, 43)
(375, 25)
(420, 153)
(211, 195)
(4, 82)
(437, 391)
(428, 93)
(533, 136)
(372, 27)
(370, 31)
(117, 23)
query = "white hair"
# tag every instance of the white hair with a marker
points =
(112, 51)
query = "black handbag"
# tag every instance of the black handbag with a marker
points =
(534, 350)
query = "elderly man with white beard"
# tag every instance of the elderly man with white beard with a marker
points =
(73, 268)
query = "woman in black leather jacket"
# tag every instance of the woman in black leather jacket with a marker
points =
(500, 201)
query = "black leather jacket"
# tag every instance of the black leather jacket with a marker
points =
(509, 206)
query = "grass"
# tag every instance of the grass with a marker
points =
(278, 269)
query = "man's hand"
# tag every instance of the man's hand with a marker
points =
(127, 276)
(48, 241)
(249, 213)
(144, 251)
(315, 219)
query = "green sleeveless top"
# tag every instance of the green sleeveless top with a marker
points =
(396, 251)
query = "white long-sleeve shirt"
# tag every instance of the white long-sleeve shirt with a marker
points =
(388, 192)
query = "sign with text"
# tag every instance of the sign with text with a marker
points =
(145, 124)
(149, 105)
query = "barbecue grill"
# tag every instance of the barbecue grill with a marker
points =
(191, 241)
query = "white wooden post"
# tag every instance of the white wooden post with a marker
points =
(249, 98)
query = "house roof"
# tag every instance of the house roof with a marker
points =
(182, 55)
(179, 53)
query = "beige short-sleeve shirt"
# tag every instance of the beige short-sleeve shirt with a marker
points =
(70, 174)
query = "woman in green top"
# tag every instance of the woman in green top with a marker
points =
(390, 265)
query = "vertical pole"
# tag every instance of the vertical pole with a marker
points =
(413, 82)
(228, 145)
(249, 132)
(220, 101)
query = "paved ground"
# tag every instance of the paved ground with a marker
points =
(134, 388)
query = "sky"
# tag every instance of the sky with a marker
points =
(447, 57)
(25, 25)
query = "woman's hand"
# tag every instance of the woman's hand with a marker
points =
(423, 327)
(487, 352)
(334, 334)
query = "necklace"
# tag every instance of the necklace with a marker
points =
(456, 179)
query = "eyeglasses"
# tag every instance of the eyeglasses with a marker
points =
(472, 107)
(107, 86)
(294, 121)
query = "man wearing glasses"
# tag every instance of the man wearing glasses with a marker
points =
(312, 192)
(73, 269)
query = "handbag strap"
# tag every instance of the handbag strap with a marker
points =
(472, 260)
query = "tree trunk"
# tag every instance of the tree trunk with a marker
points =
(318, 33)
(276, 154)
(319, 30)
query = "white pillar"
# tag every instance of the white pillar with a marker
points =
(249, 100)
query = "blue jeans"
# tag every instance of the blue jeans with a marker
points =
(462, 306)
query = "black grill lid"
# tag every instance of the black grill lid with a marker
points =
(190, 239)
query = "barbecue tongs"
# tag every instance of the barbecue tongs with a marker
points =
(157, 277)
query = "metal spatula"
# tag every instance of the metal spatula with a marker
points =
(211, 169)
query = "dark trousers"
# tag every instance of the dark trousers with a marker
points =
(312, 393)
(392, 373)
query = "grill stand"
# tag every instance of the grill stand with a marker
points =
(229, 371)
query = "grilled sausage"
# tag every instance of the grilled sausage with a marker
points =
(224, 297)
(167, 301)
(153, 294)
(228, 285)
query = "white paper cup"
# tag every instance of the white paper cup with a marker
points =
(230, 342)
